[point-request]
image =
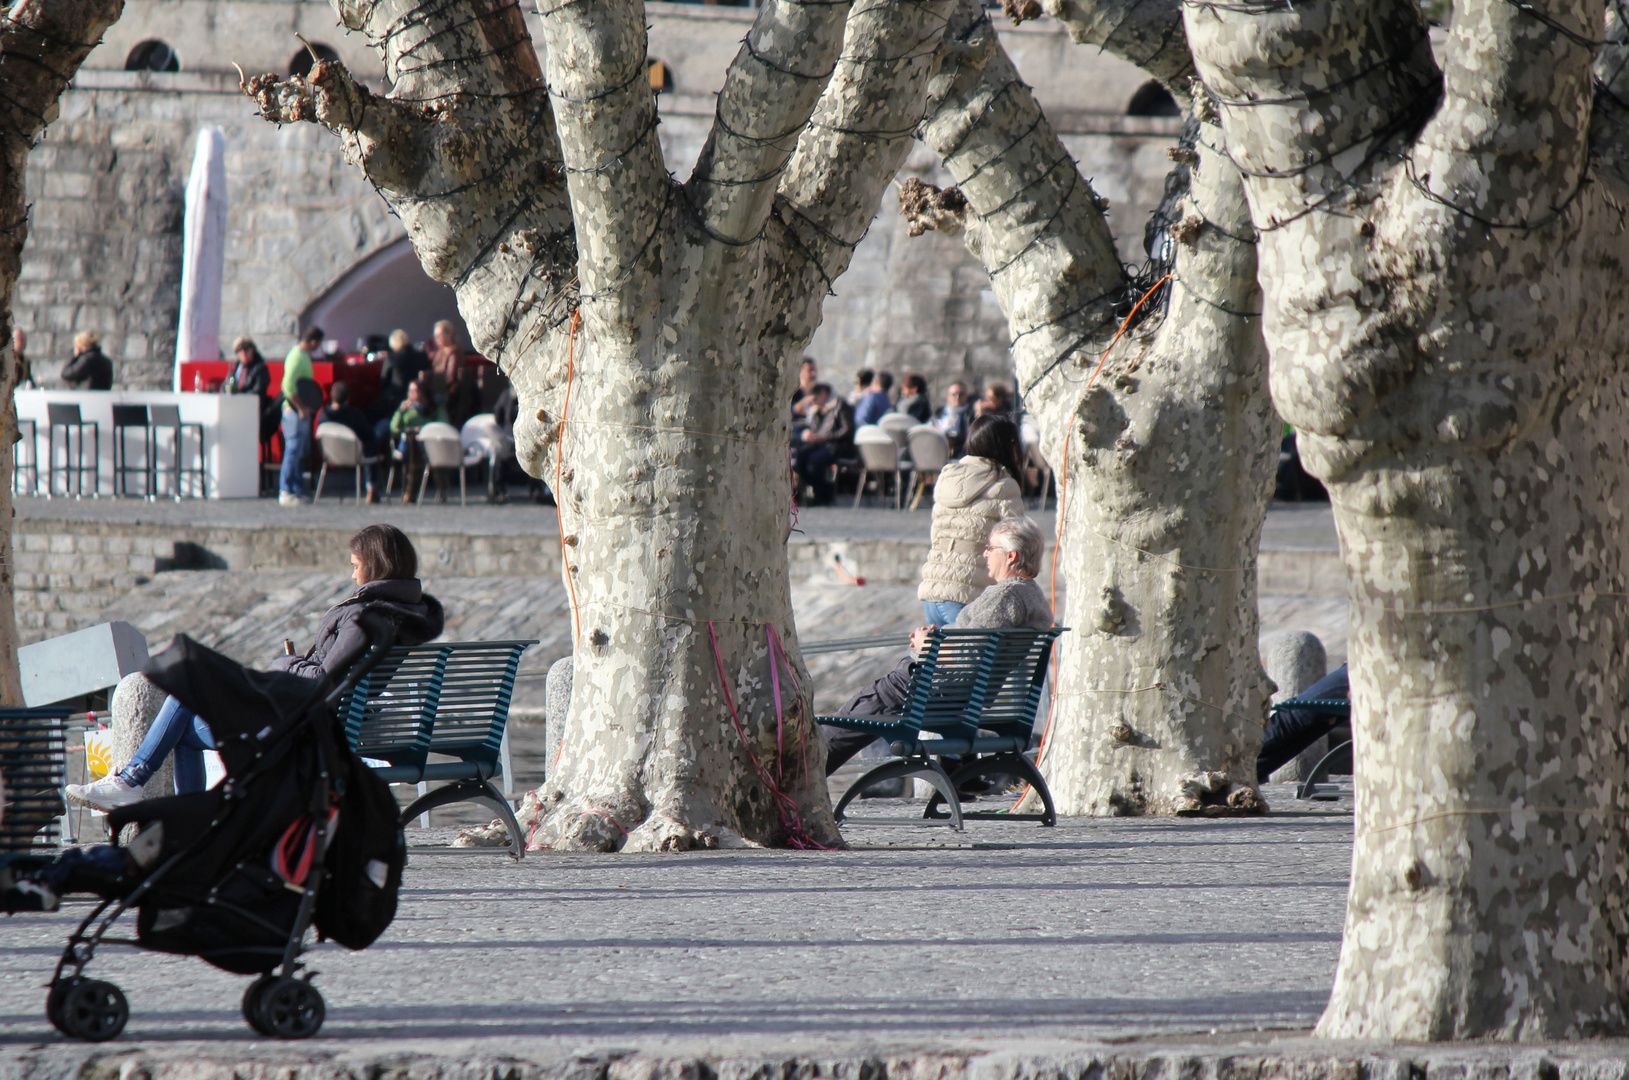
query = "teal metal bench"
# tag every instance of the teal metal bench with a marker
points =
(978, 691)
(450, 699)
(1337, 755)
(33, 767)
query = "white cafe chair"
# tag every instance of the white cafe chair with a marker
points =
(930, 452)
(484, 440)
(878, 454)
(443, 448)
(341, 449)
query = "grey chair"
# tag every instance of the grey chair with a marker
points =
(73, 468)
(169, 417)
(126, 418)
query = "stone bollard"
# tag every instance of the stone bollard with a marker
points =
(1294, 660)
(135, 704)
(556, 703)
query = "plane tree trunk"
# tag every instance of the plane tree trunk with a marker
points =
(42, 44)
(1163, 434)
(647, 326)
(1442, 254)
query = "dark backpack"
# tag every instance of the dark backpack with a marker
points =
(357, 900)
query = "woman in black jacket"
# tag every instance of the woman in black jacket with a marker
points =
(385, 568)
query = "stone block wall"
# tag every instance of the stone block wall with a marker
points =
(105, 247)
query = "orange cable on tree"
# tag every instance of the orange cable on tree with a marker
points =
(559, 515)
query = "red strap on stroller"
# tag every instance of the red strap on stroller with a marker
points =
(296, 848)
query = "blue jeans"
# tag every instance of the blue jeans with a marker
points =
(175, 730)
(942, 612)
(296, 445)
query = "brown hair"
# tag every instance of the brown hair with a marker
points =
(386, 553)
(996, 439)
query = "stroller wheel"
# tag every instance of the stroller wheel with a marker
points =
(290, 1008)
(87, 1009)
(251, 1002)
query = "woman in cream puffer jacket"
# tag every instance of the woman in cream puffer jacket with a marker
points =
(971, 494)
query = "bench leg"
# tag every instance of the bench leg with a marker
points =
(1308, 788)
(475, 791)
(1002, 765)
(926, 768)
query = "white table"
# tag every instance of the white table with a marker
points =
(231, 426)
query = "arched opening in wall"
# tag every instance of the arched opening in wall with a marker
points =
(386, 291)
(152, 55)
(300, 65)
(661, 76)
(1152, 99)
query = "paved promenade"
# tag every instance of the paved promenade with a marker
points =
(918, 935)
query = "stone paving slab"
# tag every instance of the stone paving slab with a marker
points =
(916, 936)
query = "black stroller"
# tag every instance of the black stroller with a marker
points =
(299, 834)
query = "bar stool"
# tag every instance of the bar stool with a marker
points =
(73, 468)
(28, 435)
(169, 416)
(126, 417)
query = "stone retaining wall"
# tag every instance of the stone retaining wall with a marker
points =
(67, 574)
(1214, 1059)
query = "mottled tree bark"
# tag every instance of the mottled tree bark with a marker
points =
(1166, 454)
(1443, 263)
(647, 325)
(42, 44)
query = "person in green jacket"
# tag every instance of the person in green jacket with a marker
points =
(418, 409)
(296, 425)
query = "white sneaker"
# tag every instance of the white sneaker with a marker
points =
(288, 498)
(108, 793)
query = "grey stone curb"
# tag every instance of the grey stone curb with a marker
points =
(1297, 1058)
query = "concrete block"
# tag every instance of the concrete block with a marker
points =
(557, 702)
(1294, 660)
(81, 663)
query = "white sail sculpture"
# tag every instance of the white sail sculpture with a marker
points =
(203, 254)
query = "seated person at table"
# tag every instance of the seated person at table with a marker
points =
(90, 369)
(339, 410)
(385, 567)
(1013, 558)
(403, 364)
(419, 409)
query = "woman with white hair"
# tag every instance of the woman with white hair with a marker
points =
(1013, 558)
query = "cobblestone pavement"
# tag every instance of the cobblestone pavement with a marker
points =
(1095, 929)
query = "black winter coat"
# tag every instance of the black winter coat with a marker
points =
(91, 366)
(340, 637)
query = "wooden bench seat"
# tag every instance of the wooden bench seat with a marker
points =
(450, 699)
(977, 691)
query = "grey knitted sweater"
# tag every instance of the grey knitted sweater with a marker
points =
(1018, 601)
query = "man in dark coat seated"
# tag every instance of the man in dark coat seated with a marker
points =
(1291, 731)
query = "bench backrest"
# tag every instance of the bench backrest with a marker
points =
(967, 680)
(447, 698)
(33, 759)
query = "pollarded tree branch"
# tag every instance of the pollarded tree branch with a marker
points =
(855, 143)
(1149, 35)
(606, 115)
(1159, 688)
(1609, 120)
(466, 123)
(769, 92)
(1510, 141)
(1041, 231)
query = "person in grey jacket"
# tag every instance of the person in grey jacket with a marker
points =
(385, 568)
(1013, 558)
